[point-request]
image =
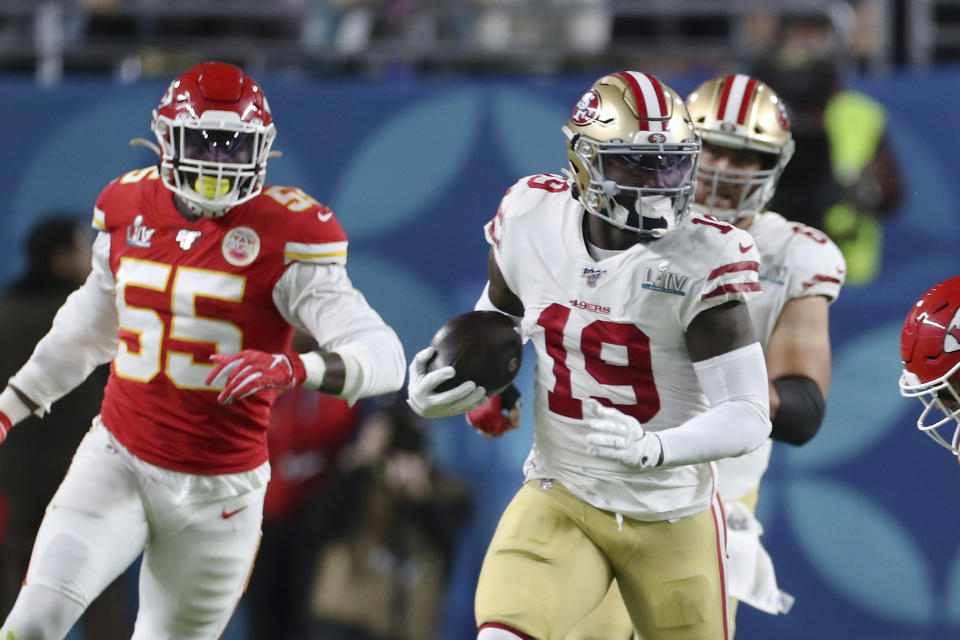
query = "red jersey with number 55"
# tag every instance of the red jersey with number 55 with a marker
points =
(186, 290)
(614, 329)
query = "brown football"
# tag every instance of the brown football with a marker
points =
(482, 346)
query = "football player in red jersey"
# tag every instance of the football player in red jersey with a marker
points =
(930, 351)
(200, 275)
(648, 368)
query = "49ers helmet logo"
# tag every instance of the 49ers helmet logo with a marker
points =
(586, 109)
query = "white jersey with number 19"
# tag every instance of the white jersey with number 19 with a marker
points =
(614, 330)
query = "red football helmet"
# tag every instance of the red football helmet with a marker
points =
(930, 350)
(215, 131)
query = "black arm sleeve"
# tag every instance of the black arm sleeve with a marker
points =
(801, 410)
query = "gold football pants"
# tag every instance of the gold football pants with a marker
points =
(553, 558)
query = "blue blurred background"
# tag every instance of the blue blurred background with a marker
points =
(861, 523)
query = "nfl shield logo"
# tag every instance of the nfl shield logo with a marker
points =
(592, 275)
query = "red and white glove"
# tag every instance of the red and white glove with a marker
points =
(499, 414)
(5, 426)
(245, 373)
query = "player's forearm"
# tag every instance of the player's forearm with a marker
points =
(738, 419)
(371, 364)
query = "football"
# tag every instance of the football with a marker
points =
(482, 346)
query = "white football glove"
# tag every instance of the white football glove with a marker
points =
(420, 390)
(616, 436)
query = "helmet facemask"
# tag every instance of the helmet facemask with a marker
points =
(738, 113)
(749, 190)
(632, 151)
(655, 196)
(930, 352)
(214, 162)
(941, 405)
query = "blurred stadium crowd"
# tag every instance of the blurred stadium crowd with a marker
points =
(134, 38)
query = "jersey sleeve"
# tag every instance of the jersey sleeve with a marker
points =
(502, 231)
(312, 235)
(817, 265)
(730, 268)
(99, 221)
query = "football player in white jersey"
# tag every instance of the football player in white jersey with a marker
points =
(200, 274)
(648, 368)
(746, 146)
(930, 351)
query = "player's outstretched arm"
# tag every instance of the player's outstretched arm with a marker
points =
(83, 336)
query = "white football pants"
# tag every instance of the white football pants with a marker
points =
(198, 550)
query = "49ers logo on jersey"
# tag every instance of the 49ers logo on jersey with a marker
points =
(241, 246)
(586, 109)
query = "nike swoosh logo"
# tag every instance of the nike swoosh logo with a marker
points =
(325, 216)
(744, 249)
(229, 514)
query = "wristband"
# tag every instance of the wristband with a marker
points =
(13, 407)
(315, 368)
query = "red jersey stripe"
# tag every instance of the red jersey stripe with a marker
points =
(820, 278)
(736, 287)
(746, 265)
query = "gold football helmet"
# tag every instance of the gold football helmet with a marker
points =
(631, 124)
(737, 111)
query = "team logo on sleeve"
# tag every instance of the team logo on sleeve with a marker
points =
(138, 235)
(241, 246)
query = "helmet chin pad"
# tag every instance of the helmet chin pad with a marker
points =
(652, 215)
